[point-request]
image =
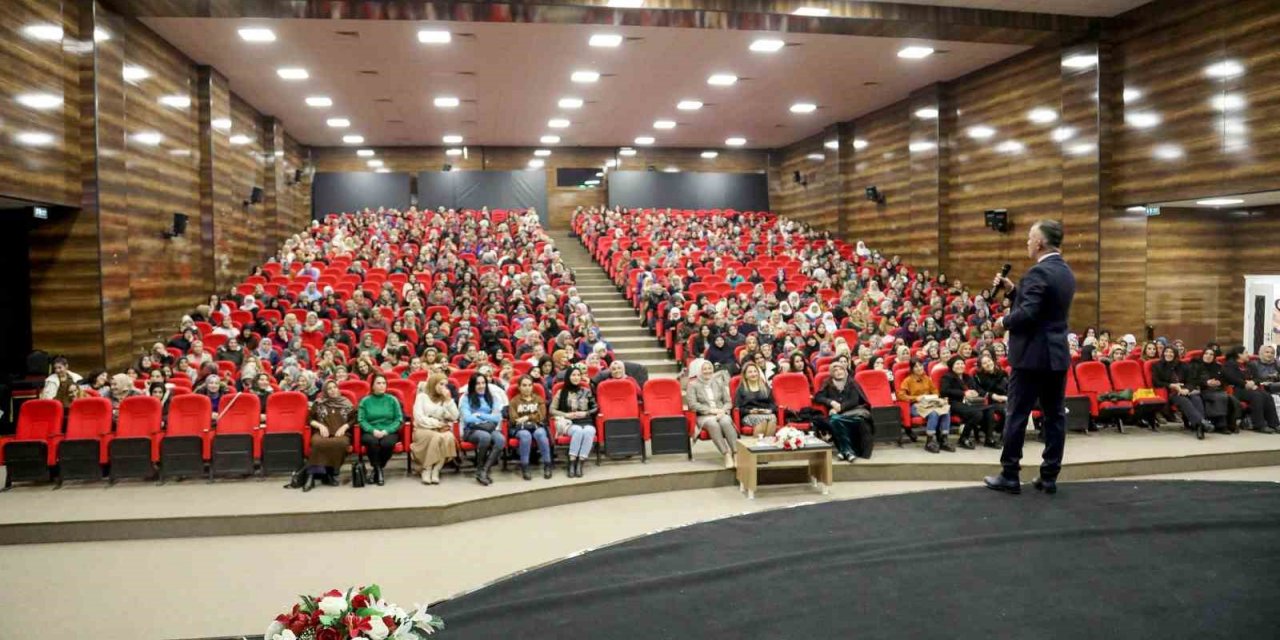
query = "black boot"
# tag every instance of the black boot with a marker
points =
(310, 483)
(582, 465)
(571, 469)
(944, 445)
(524, 472)
(377, 476)
(930, 444)
(330, 477)
(482, 476)
(546, 471)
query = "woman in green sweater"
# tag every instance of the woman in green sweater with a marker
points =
(380, 419)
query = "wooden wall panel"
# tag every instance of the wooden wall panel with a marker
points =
(1188, 296)
(49, 170)
(165, 274)
(815, 198)
(243, 232)
(295, 213)
(113, 187)
(881, 159)
(929, 152)
(1177, 144)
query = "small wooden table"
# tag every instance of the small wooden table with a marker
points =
(749, 454)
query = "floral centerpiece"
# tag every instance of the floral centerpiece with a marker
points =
(789, 438)
(356, 613)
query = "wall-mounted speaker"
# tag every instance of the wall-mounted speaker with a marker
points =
(179, 226)
(996, 219)
(874, 195)
(255, 196)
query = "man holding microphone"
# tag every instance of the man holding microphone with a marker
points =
(1036, 331)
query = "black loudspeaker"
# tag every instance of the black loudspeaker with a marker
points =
(795, 177)
(255, 196)
(179, 226)
(297, 176)
(447, 168)
(997, 219)
(874, 195)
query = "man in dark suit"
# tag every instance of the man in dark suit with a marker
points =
(1036, 329)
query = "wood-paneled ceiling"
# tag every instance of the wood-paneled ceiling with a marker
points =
(510, 78)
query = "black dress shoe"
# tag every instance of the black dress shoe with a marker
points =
(1048, 486)
(1200, 432)
(377, 476)
(524, 472)
(546, 471)
(966, 443)
(1001, 483)
(309, 484)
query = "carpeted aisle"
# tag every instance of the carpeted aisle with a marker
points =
(1154, 559)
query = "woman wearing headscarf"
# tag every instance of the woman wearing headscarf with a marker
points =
(331, 418)
(720, 355)
(434, 415)
(1183, 388)
(707, 395)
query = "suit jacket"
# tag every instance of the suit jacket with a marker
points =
(1037, 321)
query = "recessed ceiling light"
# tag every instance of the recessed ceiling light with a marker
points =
(859, 143)
(452, 138)
(831, 144)
(46, 32)
(338, 123)
(365, 153)
(1219, 202)
(1080, 61)
(1010, 146)
(767, 45)
(239, 139)
(1062, 134)
(923, 145)
(549, 139)
(626, 4)
(434, 36)
(1137, 209)
(605, 40)
(375, 163)
(671, 169)
(1143, 119)
(736, 141)
(180, 152)
(40, 100)
(722, 79)
(453, 152)
(708, 155)
(626, 151)
(689, 105)
(257, 34)
(1224, 69)
(804, 107)
(980, 132)
(570, 103)
(927, 113)
(177, 102)
(149, 138)
(537, 163)
(134, 73)
(645, 140)
(818, 157)
(584, 76)
(221, 123)
(1042, 115)
(812, 12)
(101, 35)
(558, 123)
(293, 73)
(382, 170)
(446, 102)
(664, 124)
(1167, 152)
(599, 174)
(1228, 102)
(319, 101)
(353, 139)
(34, 138)
(610, 163)
(915, 53)
(1080, 148)
(542, 153)
(1132, 95)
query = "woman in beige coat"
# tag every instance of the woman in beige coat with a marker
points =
(707, 395)
(434, 414)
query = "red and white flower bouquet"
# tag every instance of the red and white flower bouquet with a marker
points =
(789, 438)
(350, 615)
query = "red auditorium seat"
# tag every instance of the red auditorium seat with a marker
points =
(667, 425)
(618, 426)
(134, 447)
(1093, 380)
(886, 414)
(1127, 374)
(236, 442)
(29, 453)
(184, 448)
(286, 439)
(792, 393)
(80, 451)
(359, 387)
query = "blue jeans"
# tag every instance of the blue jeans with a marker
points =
(934, 421)
(581, 437)
(525, 445)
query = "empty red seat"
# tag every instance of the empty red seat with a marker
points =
(1093, 381)
(618, 426)
(30, 451)
(236, 442)
(792, 393)
(184, 447)
(286, 438)
(134, 447)
(80, 451)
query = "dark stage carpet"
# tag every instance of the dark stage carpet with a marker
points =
(1098, 560)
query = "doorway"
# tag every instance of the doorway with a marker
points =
(1261, 311)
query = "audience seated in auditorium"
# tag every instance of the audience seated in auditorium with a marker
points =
(848, 413)
(754, 402)
(573, 410)
(1261, 408)
(380, 417)
(63, 384)
(434, 415)
(707, 395)
(527, 417)
(331, 418)
(482, 409)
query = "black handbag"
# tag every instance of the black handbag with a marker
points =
(358, 473)
(298, 479)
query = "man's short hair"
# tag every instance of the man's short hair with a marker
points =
(62, 360)
(1051, 231)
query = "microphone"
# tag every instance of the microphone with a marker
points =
(1004, 273)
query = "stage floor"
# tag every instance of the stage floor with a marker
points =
(132, 509)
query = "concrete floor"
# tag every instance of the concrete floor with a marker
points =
(230, 585)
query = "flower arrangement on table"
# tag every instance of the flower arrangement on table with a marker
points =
(789, 438)
(356, 613)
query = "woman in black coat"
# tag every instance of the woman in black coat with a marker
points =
(720, 354)
(993, 383)
(966, 402)
(1183, 388)
(1219, 407)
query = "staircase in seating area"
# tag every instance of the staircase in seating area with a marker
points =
(619, 321)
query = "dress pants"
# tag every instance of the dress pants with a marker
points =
(378, 449)
(721, 430)
(1262, 409)
(1026, 387)
(1191, 406)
